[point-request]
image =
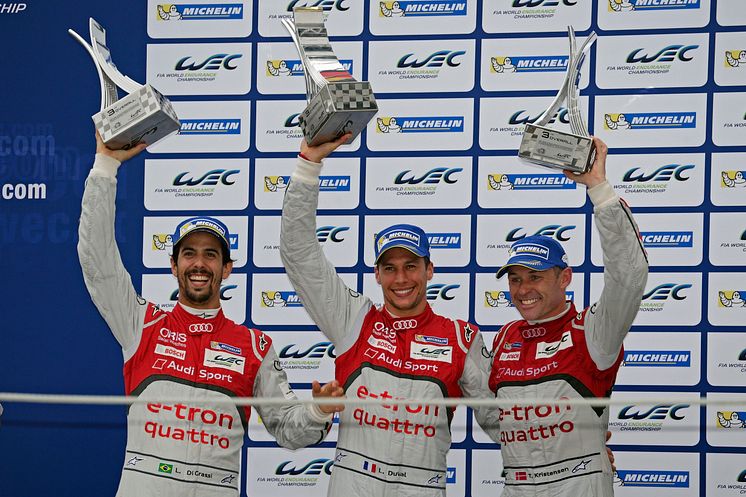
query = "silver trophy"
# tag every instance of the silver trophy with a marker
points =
(559, 149)
(144, 115)
(337, 102)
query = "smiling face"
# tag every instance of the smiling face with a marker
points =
(538, 295)
(199, 270)
(403, 277)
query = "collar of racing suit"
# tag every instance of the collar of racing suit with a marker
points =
(568, 305)
(205, 322)
(547, 328)
(417, 321)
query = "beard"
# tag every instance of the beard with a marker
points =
(197, 297)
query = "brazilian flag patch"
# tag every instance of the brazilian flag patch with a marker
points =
(165, 468)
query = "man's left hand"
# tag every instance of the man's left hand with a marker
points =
(331, 389)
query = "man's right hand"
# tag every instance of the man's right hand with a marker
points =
(597, 174)
(321, 152)
(120, 155)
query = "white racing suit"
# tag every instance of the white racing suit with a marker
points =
(189, 448)
(555, 450)
(385, 450)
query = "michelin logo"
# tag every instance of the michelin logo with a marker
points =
(650, 120)
(735, 58)
(280, 299)
(661, 479)
(731, 299)
(731, 419)
(503, 65)
(667, 239)
(452, 124)
(288, 67)
(405, 8)
(529, 182)
(210, 127)
(444, 240)
(657, 358)
(651, 5)
(199, 12)
(733, 179)
(497, 299)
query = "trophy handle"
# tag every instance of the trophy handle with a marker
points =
(109, 93)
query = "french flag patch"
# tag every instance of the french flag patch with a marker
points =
(369, 466)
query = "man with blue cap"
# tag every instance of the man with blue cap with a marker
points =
(400, 350)
(185, 447)
(556, 352)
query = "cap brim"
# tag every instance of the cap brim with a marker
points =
(214, 233)
(404, 246)
(506, 268)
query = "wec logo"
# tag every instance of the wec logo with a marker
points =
(210, 178)
(314, 467)
(433, 176)
(542, 3)
(324, 4)
(660, 411)
(667, 54)
(436, 59)
(333, 233)
(292, 121)
(315, 351)
(520, 117)
(211, 63)
(556, 231)
(663, 173)
(666, 290)
(441, 291)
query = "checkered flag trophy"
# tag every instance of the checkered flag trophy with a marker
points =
(337, 103)
(143, 115)
(558, 149)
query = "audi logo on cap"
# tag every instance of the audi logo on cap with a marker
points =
(534, 332)
(200, 328)
(405, 324)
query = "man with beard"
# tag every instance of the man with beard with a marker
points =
(401, 350)
(193, 352)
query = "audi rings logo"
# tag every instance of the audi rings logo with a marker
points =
(404, 324)
(200, 328)
(534, 332)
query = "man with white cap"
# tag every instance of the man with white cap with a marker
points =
(400, 350)
(190, 447)
(556, 352)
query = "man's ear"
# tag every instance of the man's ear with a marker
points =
(227, 268)
(565, 277)
(173, 266)
(430, 270)
(375, 271)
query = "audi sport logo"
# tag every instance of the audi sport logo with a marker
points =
(534, 332)
(200, 328)
(404, 324)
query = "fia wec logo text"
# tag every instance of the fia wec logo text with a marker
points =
(212, 63)
(663, 173)
(210, 178)
(436, 59)
(556, 231)
(433, 176)
(666, 290)
(315, 351)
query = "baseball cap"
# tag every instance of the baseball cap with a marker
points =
(406, 236)
(206, 224)
(537, 252)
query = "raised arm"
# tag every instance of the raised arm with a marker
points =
(106, 279)
(625, 266)
(335, 308)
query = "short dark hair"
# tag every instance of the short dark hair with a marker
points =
(177, 248)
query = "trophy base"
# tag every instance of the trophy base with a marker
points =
(338, 108)
(144, 115)
(557, 149)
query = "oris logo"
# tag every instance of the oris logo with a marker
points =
(200, 328)
(404, 324)
(380, 329)
(534, 332)
(172, 335)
